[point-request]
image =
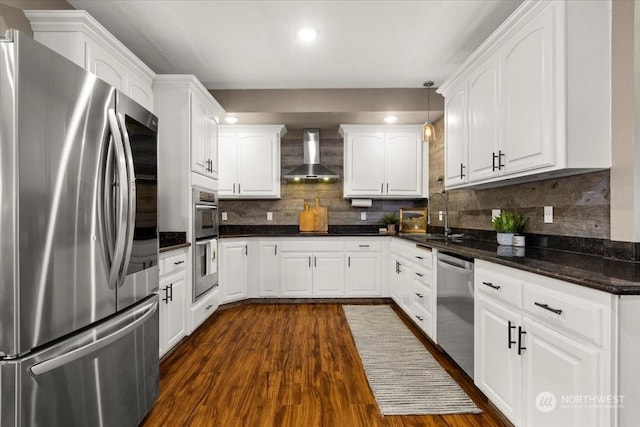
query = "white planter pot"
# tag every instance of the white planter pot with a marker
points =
(505, 239)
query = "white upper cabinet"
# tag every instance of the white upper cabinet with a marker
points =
(188, 125)
(250, 161)
(456, 146)
(484, 120)
(77, 36)
(384, 161)
(529, 90)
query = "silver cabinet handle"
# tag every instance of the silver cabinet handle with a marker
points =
(234, 188)
(419, 274)
(387, 188)
(419, 295)
(275, 252)
(239, 189)
(349, 262)
(315, 261)
(309, 261)
(363, 246)
(178, 262)
(546, 307)
(246, 249)
(419, 257)
(382, 188)
(419, 318)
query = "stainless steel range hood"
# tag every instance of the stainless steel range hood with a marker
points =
(311, 170)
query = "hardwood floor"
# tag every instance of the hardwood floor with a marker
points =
(282, 365)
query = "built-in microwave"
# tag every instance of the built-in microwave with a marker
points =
(205, 214)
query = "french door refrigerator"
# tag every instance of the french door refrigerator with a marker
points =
(79, 245)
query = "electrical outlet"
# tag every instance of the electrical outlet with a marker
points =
(224, 216)
(440, 215)
(495, 213)
(548, 214)
(363, 216)
(269, 216)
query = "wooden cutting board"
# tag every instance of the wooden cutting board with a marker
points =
(307, 219)
(321, 220)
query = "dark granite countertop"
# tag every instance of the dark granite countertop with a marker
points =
(593, 271)
(172, 240)
(616, 277)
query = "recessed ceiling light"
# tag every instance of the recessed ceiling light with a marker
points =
(307, 34)
(390, 119)
(231, 119)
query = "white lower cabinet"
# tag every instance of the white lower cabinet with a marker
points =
(412, 283)
(542, 348)
(269, 276)
(232, 275)
(312, 267)
(172, 292)
(363, 274)
(204, 307)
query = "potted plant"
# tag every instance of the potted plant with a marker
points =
(390, 219)
(507, 224)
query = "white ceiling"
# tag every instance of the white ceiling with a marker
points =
(252, 44)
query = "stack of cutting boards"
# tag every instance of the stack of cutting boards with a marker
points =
(314, 219)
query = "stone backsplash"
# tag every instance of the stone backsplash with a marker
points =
(580, 202)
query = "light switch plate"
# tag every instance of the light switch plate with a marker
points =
(224, 216)
(548, 214)
(269, 216)
(495, 213)
(363, 216)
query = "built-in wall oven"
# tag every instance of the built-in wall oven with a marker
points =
(205, 223)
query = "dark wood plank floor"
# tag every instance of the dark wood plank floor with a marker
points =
(282, 365)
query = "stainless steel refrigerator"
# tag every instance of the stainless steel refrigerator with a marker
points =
(79, 245)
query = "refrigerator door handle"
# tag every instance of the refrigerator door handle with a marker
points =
(121, 234)
(131, 193)
(64, 359)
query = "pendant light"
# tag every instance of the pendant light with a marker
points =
(428, 131)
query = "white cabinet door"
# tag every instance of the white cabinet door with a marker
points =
(328, 274)
(456, 137)
(176, 327)
(233, 270)
(403, 164)
(258, 165)
(498, 368)
(269, 276)
(528, 90)
(200, 151)
(564, 367)
(405, 285)
(212, 145)
(364, 174)
(296, 274)
(485, 154)
(104, 65)
(363, 274)
(227, 165)
(394, 279)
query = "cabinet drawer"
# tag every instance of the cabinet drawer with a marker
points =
(326, 244)
(403, 248)
(367, 245)
(423, 297)
(570, 311)
(205, 307)
(499, 282)
(423, 275)
(423, 319)
(171, 263)
(423, 257)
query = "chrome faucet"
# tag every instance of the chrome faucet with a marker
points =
(447, 230)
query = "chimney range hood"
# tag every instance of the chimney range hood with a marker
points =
(311, 170)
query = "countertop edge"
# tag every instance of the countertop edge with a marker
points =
(174, 247)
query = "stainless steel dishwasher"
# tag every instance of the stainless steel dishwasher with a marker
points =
(455, 308)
